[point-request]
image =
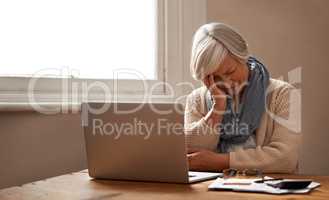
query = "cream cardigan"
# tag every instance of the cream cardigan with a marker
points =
(277, 142)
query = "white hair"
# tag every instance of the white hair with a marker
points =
(211, 43)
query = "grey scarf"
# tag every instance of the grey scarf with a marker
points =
(238, 125)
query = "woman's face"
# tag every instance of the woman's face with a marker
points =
(232, 75)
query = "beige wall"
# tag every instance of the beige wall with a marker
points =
(286, 34)
(35, 146)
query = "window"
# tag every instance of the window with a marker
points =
(119, 43)
(92, 37)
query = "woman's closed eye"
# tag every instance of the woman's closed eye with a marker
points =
(230, 71)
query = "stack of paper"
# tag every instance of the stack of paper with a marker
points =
(248, 185)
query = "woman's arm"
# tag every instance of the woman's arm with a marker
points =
(199, 134)
(280, 155)
(204, 160)
(201, 124)
(202, 137)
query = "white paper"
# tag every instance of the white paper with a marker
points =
(226, 184)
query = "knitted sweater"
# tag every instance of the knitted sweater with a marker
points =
(277, 138)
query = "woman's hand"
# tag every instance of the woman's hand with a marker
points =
(214, 116)
(204, 160)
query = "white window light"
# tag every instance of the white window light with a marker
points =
(91, 37)
(165, 53)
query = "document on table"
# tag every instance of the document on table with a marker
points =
(248, 185)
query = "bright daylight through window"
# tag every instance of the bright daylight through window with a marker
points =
(93, 37)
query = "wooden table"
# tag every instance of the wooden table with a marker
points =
(80, 186)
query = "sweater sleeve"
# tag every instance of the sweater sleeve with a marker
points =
(280, 154)
(197, 132)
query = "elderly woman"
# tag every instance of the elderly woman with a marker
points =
(231, 121)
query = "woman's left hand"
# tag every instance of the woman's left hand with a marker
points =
(205, 160)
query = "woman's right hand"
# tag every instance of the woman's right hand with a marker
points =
(215, 114)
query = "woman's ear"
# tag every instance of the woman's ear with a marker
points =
(205, 81)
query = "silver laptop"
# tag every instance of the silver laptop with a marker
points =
(141, 142)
